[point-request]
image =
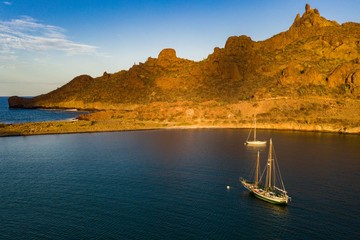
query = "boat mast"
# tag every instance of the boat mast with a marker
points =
(269, 168)
(257, 169)
(255, 129)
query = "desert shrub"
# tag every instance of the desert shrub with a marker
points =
(345, 88)
(261, 116)
(301, 91)
(320, 90)
(290, 119)
(185, 124)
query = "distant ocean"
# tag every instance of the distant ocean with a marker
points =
(32, 115)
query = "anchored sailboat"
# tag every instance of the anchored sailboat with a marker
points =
(254, 142)
(269, 192)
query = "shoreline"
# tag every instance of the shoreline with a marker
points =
(312, 114)
(85, 126)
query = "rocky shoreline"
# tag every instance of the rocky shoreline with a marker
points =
(85, 126)
(311, 114)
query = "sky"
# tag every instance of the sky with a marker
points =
(46, 43)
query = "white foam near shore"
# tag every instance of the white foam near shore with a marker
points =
(71, 110)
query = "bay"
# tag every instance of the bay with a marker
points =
(171, 184)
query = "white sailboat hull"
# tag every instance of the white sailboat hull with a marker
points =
(270, 196)
(267, 196)
(255, 143)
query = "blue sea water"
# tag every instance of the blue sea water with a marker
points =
(171, 184)
(32, 115)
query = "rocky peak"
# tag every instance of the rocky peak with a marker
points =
(166, 57)
(167, 54)
(311, 18)
(238, 41)
(238, 44)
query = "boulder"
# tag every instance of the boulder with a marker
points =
(166, 57)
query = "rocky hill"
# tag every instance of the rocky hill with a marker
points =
(314, 59)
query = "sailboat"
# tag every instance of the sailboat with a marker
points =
(269, 192)
(254, 142)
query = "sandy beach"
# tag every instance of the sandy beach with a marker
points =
(85, 126)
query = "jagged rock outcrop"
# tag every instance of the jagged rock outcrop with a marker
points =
(314, 57)
(312, 18)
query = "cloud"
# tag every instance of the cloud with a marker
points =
(28, 34)
(7, 3)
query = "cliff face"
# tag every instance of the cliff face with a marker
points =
(315, 57)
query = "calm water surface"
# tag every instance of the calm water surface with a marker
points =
(32, 115)
(171, 184)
